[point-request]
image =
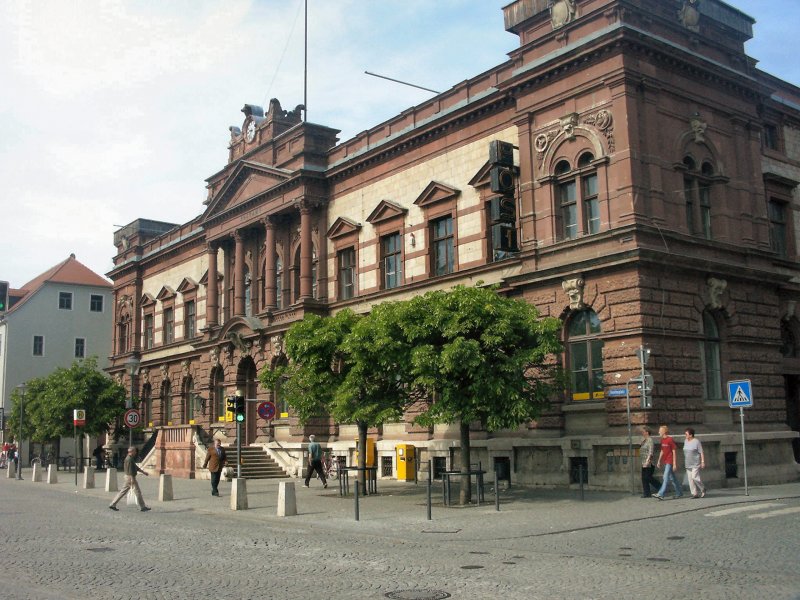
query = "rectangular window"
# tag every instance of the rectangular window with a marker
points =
(80, 347)
(443, 259)
(688, 193)
(347, 273)
(148, 332)
(569, 210)
(65, 300)
(392, 261)
(713, 370)
(705, 210)
(591, 209)
(190, 320)
(770, 137)
(38, 345)
(777, 227)
(169, 326)
(96, 303)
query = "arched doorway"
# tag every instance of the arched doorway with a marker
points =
(247, 382)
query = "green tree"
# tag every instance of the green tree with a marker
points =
(481, 357)
(50, 401)
(342, 366)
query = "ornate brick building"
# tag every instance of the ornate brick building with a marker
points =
(628, 170)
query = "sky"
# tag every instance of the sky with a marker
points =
(115, 110)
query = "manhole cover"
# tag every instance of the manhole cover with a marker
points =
(417, 595)
(472, 567)
(100, 549)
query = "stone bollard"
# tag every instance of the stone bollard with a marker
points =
(165, 488)
(11, 472)
(111, 480)
(239, 494)
(88, 478)
(287, 500)
(52, 474)
(36, 474)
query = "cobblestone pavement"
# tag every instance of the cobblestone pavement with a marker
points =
(62, 542)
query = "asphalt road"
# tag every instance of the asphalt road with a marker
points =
(60, 542)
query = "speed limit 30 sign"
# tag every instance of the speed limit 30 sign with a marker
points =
(132, 418)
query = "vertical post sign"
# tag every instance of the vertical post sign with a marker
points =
(740, 395)
(78, 420)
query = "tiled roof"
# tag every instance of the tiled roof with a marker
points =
(70, 271)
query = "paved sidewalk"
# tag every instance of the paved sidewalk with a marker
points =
(399, 509)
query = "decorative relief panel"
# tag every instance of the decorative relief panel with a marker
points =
(562, 12)
(689, 15)
(600, 122)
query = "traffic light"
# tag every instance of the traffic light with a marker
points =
(3, 296)
(239, 408)
(231, 404)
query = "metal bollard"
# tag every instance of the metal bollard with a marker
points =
(430, 485)
(496, 492)
(355, 495)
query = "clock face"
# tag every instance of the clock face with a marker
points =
(250, 132)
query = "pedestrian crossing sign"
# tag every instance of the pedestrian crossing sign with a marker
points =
(740, 394)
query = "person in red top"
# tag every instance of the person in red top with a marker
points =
(668, 458)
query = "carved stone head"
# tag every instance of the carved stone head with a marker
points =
(574, 289)
(716, 287)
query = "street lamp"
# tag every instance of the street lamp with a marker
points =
(132, 365)
(21, 387)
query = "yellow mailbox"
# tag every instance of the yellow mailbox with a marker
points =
(406, 462)
(370, 452)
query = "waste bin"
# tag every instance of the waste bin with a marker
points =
(406, 462)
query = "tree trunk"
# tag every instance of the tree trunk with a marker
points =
(362, 457)
(465, 496)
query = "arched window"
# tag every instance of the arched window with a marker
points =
(217, 404)
(697, 194)
(166, 403)
(712, 366)
(147, 404)
(585, 355)
(188, 403)
(577, 197)
(123, 333)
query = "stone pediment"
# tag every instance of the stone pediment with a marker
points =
(204, 278)
(187, 285)
(147, 300)
(248, 179)
(165, 294)
(384, 211)
(436, 192)
(483, 176)
(342, 226)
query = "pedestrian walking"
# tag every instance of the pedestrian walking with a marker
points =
(131, 469)
(693, 461)
(315, 462)
(647, 454)
(669, 458)
(215, 461)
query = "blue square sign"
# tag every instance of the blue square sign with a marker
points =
(740, 394)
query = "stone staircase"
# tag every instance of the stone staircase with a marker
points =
(256, 464)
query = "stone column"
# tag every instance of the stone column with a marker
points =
(238, 275)
(306, 251)
(270, 256)
(212, 288)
